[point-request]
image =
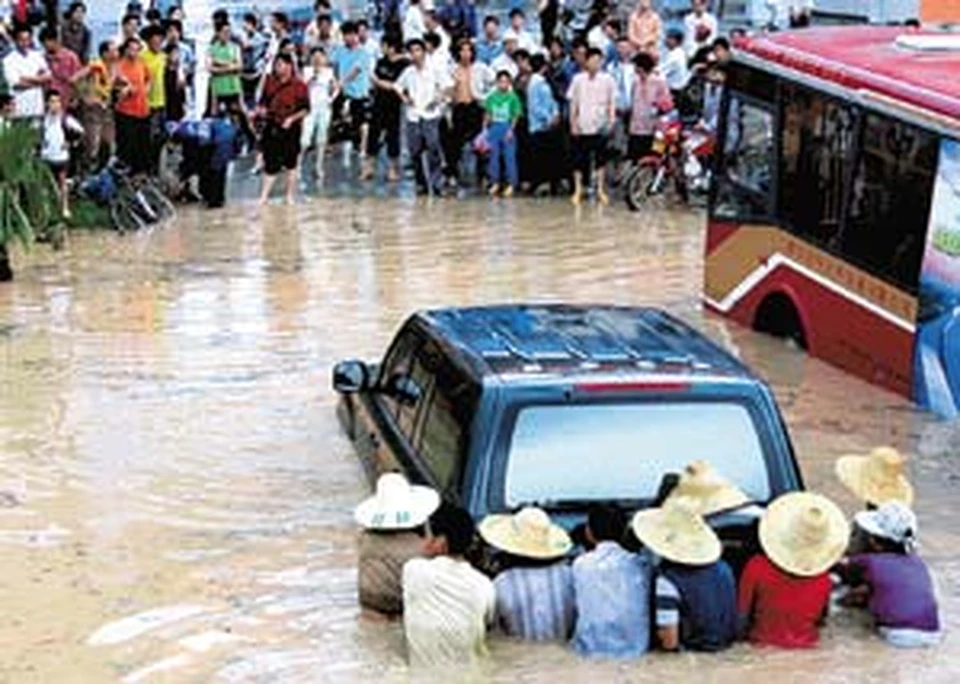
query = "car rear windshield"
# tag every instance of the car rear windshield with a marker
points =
(605, 452)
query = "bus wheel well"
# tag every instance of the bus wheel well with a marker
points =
(777, 315)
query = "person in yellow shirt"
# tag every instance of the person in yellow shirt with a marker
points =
(155, 60)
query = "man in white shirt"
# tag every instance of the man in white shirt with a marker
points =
(505, 61)
(447, 604)
(674, 67)
(699, 28)
(27, 74)
(433, 25)
(413, 22)
(421, 87)
(525, 40)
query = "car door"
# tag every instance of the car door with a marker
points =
(442, 426)
(377, 437)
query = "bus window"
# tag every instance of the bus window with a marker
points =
(890, 199)
(816, 158)
(745, 173)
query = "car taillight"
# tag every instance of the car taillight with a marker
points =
(600, 387)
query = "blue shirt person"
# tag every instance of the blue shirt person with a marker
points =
(353, 64)
(542, 109)
(489, 46)
(612, 592)
(700, 601)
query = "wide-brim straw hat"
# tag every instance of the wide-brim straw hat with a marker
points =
(396, 505)
(528, 533)
(876, 477)
(677, 532)
(709, 491)
(804, 533)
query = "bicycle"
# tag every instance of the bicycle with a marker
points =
(133, 203)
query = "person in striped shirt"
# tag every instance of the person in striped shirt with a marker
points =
(534, 593)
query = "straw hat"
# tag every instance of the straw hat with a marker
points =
(877, 477)
(397, 505)
(804, 533)
(709, 491)
(528, 533)
(677, 532)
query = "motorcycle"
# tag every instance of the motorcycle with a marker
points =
(678, 160)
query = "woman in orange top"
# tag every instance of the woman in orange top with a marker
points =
(645, 29)
(131, 110)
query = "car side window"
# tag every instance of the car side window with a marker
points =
(444, 433)
(422, 370)
(398, 361)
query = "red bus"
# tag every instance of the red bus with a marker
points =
(834, 215)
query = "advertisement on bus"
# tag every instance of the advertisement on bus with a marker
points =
(937, 356)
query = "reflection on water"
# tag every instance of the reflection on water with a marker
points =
(175, 497)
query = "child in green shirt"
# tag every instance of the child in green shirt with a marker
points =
(502, 111)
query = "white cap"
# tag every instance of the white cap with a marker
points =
(892, 521)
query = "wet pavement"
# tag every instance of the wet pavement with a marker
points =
(175, 497)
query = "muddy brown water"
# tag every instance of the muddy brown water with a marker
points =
(175, 497)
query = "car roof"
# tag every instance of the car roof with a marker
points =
(524, 341)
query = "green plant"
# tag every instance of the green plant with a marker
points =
(29, 202)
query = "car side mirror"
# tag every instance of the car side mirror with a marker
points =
(350, 377)
(404, 389)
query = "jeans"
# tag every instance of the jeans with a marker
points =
(503, 145)
(423, 143)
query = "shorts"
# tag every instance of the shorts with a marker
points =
(359, 110)
(639, 146)
(281, 149)
(58, 168)
(589, 149)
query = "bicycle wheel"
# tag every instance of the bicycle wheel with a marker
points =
(161, 206)
(646, 187)
(124, 216)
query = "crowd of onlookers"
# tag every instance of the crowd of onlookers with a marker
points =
(538, 109)
(619, 586)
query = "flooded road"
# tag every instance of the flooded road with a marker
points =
(175, 497)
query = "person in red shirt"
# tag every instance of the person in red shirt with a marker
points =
(64, 67)
(284, 104)
(784, 592)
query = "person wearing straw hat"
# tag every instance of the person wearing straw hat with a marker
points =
(389, 520)
(612, 591)
(784, 591)
(447, 604)
(707, 490)
(892, 581)
(535, 592)
(877, 477)
(695, 594)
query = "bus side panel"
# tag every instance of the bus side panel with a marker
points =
(848, 318)
(839, 330)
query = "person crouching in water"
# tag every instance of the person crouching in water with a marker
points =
(535, 592)
(892, 581)
(785, 591)
(447, 604)
(58, 127)
(390, 522)
(695, 594)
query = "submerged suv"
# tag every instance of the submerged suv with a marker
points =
(562, 407)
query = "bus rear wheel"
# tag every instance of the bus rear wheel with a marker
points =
(778, 316)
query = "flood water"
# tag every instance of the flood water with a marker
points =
(175, 497)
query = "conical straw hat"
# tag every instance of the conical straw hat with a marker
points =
(528, 533)
(709, 491)
(804, 533)
(396, 505)
(876, 477)
(677, 532)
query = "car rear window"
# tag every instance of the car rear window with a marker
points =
(589, 452)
